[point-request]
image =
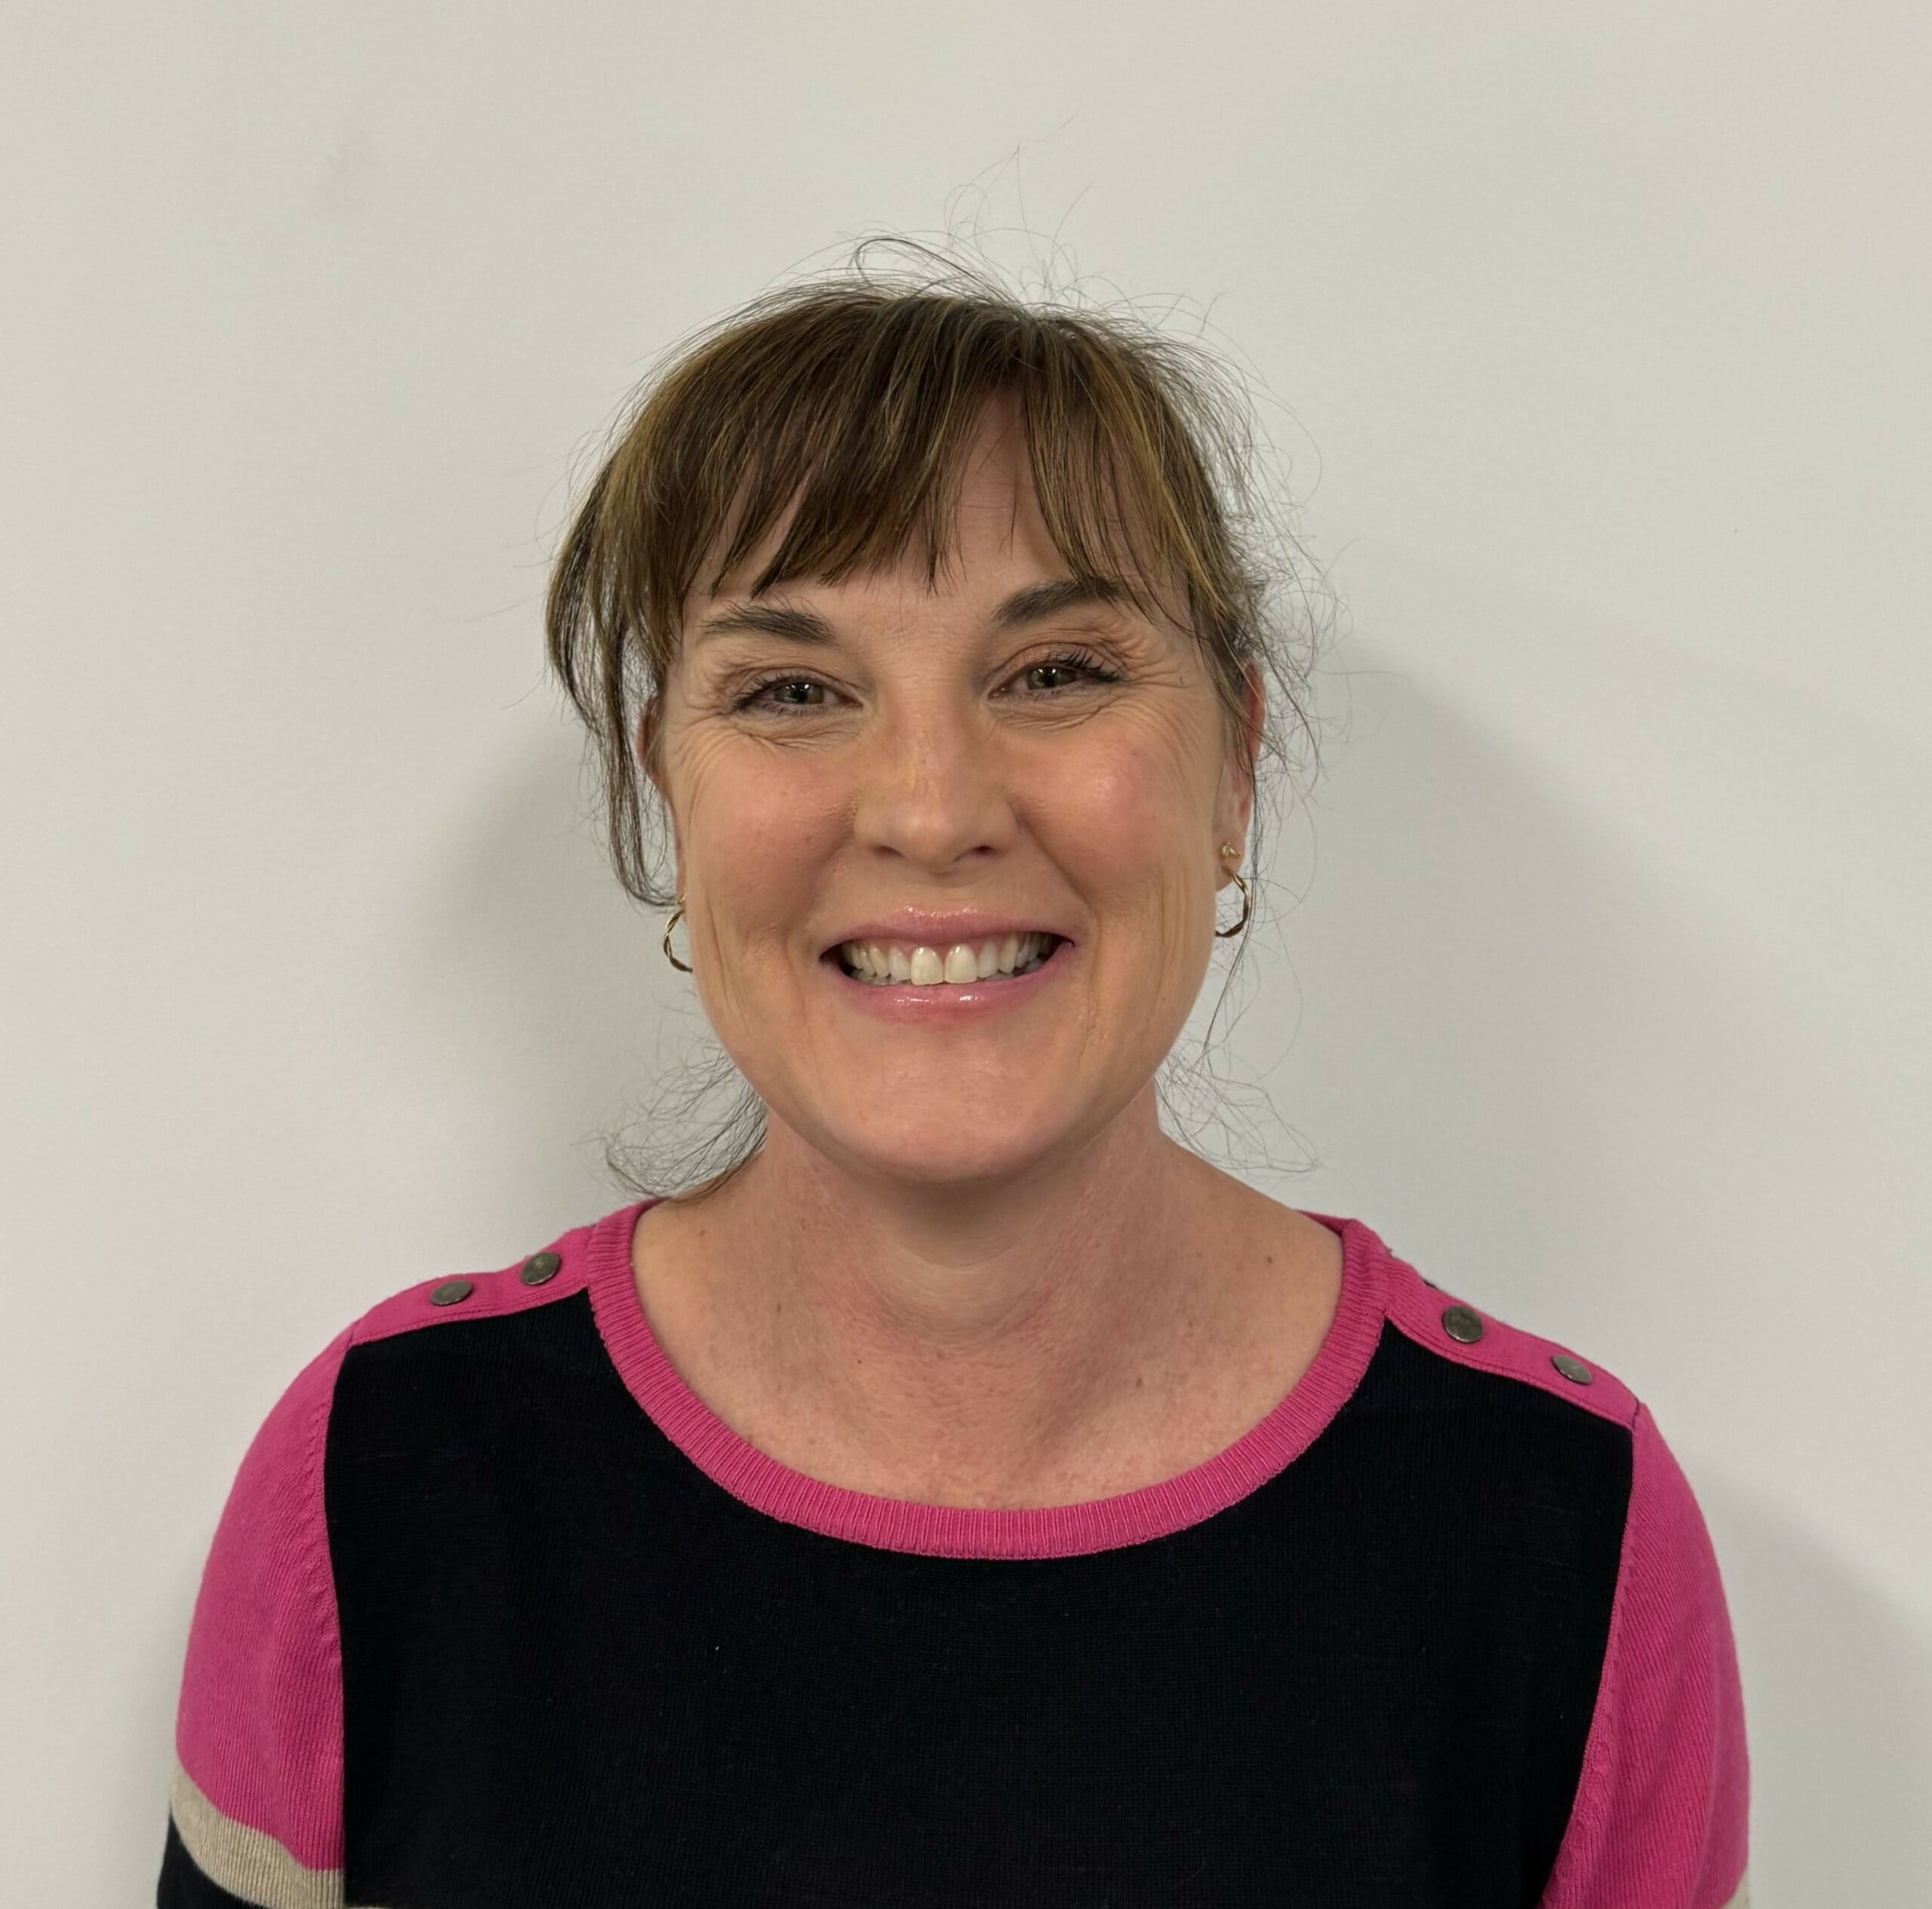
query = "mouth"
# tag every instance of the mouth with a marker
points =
(920, 964)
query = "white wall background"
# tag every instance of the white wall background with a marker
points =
(1606, 329)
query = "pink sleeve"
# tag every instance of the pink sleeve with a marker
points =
(1658, 1821)
(257, 1793)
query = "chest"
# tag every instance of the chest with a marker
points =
(577, 1672)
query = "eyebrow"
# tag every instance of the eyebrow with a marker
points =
(766, 620)
(1032, 604)
(1041, 600)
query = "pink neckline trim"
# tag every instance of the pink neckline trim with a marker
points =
(959, 1532)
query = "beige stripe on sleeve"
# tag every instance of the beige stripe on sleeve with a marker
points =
(247, 1863)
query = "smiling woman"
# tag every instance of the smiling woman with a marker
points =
(971, 1496)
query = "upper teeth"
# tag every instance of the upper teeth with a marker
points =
(884, 963)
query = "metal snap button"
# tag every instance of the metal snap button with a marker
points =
(540, 1267)
(1574, 1370)
(452, 1292)
(1462, 1324)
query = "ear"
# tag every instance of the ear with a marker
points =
(1233, 801)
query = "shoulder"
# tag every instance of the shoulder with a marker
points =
(1528, 1426)
(1664, 1538)
(559, 1270)
(1449, 1354)
(443, 1373)
(256, 1799)
(293, 1439)
(408, 1369)
(1469, 1337)
(1664, 1531)
(1660, 1804)
(271, 1544)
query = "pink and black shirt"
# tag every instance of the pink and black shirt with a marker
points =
(500, 1616)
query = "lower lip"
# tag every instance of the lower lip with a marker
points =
(899, 1002)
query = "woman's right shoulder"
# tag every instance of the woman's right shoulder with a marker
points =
(257, 1793)
(289, 1449)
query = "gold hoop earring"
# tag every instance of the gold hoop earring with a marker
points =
(677, 916)
(1247, 898)
(1247, 907)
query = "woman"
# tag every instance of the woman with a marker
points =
(972, 1495)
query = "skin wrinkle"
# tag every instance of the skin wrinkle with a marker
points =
(967, 1266)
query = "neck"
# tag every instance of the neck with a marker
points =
(961, 1343)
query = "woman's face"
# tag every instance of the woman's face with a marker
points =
(949, 851)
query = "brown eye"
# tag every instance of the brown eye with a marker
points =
(1063, 673)
(785, 692)
(1053, 676)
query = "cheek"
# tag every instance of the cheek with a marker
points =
(753, 826)
(1135, 812)
(755, 829)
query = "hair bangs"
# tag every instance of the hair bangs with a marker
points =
(858, 459)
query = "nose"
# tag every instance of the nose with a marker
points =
(932, 790)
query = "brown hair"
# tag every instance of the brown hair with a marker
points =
(854, 398)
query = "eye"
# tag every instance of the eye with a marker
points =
(1053, 675)
(784, 693)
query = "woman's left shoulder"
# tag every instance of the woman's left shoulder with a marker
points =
(1660, 1810)
(1664, 1531)
(1473, 1338)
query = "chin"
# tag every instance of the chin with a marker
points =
(947, 1148)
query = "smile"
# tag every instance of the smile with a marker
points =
(899, 964)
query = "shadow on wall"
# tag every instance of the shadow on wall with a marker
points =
(1838, 1690)
(1569, 902)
